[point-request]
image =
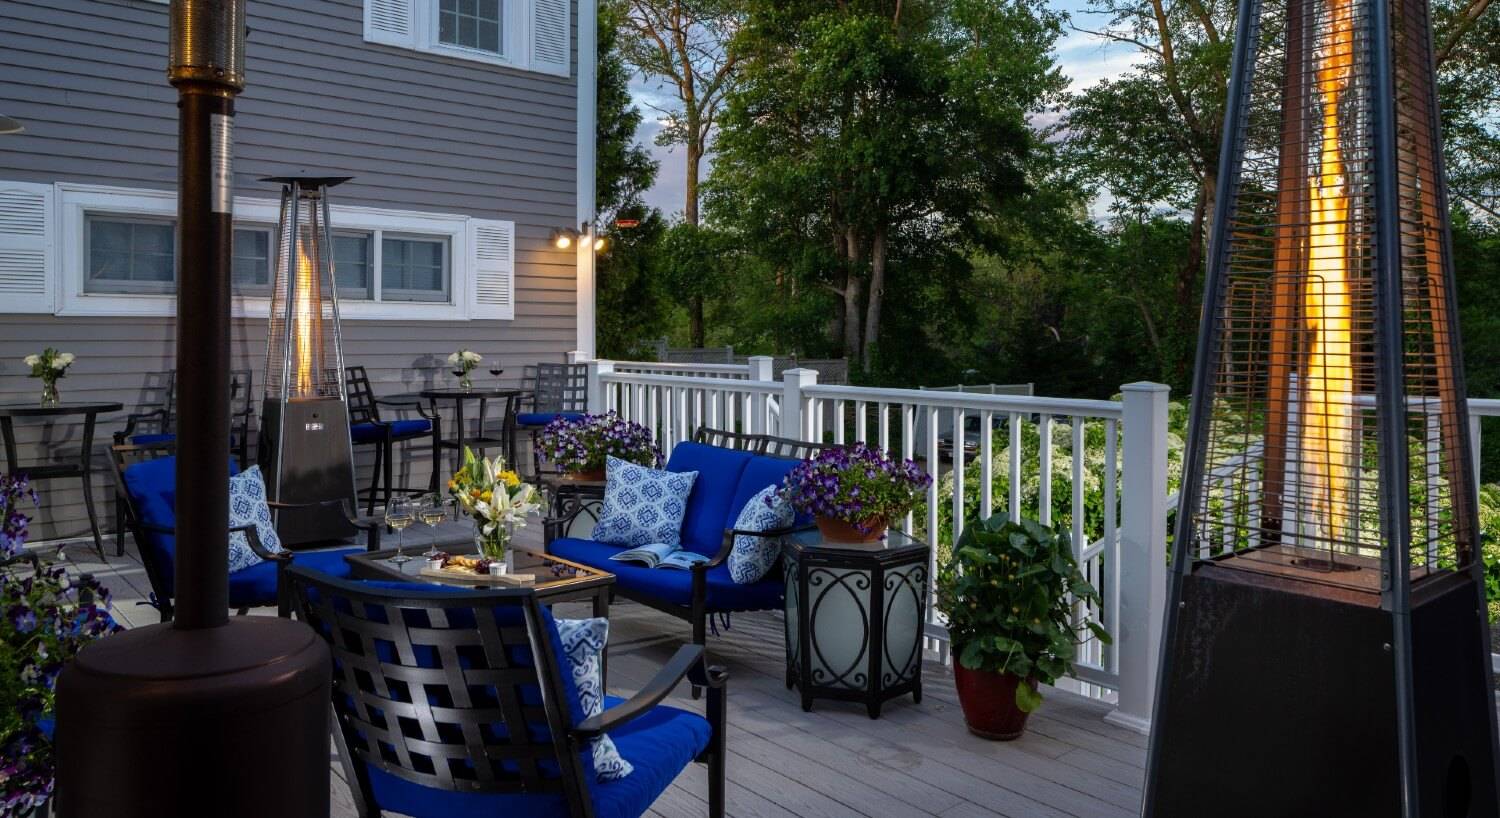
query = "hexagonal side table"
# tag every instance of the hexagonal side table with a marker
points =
(854, 618)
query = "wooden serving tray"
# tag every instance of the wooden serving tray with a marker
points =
(471, 578)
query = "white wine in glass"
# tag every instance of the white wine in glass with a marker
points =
(432, 514)
(399, 515)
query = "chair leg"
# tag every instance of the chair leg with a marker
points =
(375, 481)
(390, 455)
(717, 712)
(88, 502)
(700, 637)
(119, 528)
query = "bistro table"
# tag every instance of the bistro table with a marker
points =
(557, 579)
(89, 411)
(854, 617)
(458, 397)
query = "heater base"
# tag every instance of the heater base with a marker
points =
(306, 458)
(1280, 700)
(228, 721)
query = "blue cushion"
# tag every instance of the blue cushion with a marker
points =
(753, 556)
(544, 418)
(256, 585)
(400, 430)
(659, 744)
(708, 506)
(150, 439)
(641, 505)
(152, 486)
(673, 586)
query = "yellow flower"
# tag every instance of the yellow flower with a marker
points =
(486, 496)
(509, 478)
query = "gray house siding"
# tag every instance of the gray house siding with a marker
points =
(418, 131)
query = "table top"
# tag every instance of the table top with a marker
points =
(33, 410)
(473, 393)
(555, 575)
(895, 543)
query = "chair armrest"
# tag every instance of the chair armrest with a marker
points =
(407, 403)
(370, 525)
(554, 527)
(131, 420)
(690, 660)
(252, 536)
(731, 533)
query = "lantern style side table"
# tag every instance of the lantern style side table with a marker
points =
(82, 468)
(854, 618)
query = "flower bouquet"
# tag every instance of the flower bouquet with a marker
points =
(463, 362)
(51, 366)
(854, 492)
(581, 446)
(496, 498)
(48, 618)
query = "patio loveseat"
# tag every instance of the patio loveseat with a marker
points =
(732, 468)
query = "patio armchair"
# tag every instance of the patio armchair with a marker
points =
(146, 491)
(555, 390)
(454, 702)
(368, 428)
(158, 424)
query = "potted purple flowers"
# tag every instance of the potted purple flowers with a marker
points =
(48, 618)
(854, 492)
(580, 446)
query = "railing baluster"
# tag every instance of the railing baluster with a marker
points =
(986, 463)
(958, 473)
(883, 417)
(1014, 474)
(1044, 464)
(859, 423)
(908, 432)
(838, 422)
(1109, 561)
(1080, 454)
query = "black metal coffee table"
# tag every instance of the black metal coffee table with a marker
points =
(82, 468)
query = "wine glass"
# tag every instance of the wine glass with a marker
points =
(399, 514)
(432, 513)
(495, 368)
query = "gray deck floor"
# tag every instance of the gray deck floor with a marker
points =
(916, 760)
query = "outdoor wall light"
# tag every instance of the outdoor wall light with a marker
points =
(600, 243)
(563, 238)
(9, 126)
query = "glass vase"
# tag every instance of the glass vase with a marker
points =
(494, 545)
(49, 393)
(465, 382)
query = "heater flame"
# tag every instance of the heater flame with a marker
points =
(1327, 384)
(303, 317)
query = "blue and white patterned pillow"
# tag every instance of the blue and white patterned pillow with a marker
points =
(753, 557)
(641, 505)
(247, 506)
(583, 641)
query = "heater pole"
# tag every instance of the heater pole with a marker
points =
(207, 68)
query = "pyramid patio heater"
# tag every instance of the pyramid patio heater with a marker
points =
(305, 450)
(1326, 650)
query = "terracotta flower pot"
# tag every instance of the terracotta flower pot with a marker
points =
(989, 702)
(844, 531)
(587, 475)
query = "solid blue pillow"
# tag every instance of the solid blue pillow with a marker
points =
(641, 505)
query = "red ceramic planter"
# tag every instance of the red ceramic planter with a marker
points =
(844, 531)
(989, 702)
(590, 475)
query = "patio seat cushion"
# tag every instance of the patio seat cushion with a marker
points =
(152, 486)
(641, 505)
(400, 430)
(544, 418)
(256, 585)
(708, 506)
(658, 744)
(152, 439)
(671, 585)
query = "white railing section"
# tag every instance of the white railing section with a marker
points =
(732, 371)
(1122, 550)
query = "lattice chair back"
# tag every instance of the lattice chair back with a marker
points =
(561, 388)
(446, 689)
(361, 397)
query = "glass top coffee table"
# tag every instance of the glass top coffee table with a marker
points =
(557, 579)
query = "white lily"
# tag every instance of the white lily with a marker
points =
(32, 360)
(66, 358)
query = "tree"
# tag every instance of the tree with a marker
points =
(873, 130)
(624, 170)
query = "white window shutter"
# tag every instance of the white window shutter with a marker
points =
(550, 43)
(492, 269)
(27, 247)
(392, 22)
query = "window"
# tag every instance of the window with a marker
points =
(413, 269)
(470, 24)
(129, 255)
(251, 267)
(352, 264)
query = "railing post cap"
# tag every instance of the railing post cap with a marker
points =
(761, 358)
(1145, 386)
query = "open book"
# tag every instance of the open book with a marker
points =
(661, 555)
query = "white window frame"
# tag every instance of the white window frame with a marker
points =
(512, 34)
(73, 201)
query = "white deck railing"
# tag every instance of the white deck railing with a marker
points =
(1122, 551)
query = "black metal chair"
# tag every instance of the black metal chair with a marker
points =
(452, 702)
(368, 428)
(158, 424)
(145, 491)
(555, 390)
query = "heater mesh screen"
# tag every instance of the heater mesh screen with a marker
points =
(1292, 477)
(303, 356)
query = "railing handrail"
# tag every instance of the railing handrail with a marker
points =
(1484, 407)
(1024, 404)
(646, 367)
(686, 382)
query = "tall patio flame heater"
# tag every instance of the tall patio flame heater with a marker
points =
(305, 449)
(204, 715)
(1326, 649)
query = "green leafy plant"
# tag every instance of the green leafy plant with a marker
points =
(1009, 593)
